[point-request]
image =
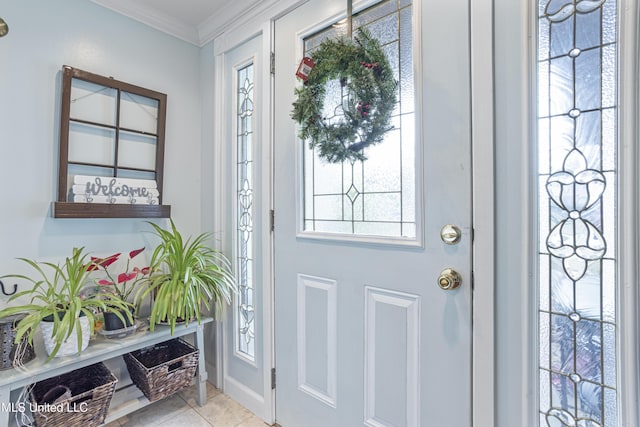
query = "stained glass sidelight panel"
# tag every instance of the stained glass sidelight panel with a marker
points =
(375, 197)
(244, 309)
(577, 68)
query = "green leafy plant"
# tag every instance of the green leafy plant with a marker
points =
(186, 276)
(58, 295)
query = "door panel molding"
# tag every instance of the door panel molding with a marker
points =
(307, 283)
(408, 328)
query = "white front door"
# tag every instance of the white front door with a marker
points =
(364, 334)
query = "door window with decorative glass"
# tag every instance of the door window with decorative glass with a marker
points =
(377, 196)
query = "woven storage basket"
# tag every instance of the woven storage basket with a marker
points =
(91, 389)
(13, 354)
(163, 369)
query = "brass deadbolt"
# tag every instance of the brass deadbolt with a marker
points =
(451, 234)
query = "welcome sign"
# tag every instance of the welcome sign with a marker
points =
(115, 190)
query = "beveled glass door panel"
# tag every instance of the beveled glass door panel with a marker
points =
(577, 144)
(376, 197)
(244, 307)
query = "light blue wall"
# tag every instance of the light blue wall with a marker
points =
(45, 35)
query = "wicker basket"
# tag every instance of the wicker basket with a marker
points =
(163, 369)
(14, 354)
(85, 403)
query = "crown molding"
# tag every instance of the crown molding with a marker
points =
(153, 18)
(217, 24)
(235, 14)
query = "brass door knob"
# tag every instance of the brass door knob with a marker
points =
(449, 279)
(4, 28)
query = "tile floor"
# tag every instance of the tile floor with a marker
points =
(181, 410)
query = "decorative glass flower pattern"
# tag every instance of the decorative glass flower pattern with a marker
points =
(561, 10)
(575, 189)
(577, 123)
(562, 418)
(244, 307)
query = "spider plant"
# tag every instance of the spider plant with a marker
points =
(56, 297)
(187, 275)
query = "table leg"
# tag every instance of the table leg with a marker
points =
(5, 405)
(201, 386)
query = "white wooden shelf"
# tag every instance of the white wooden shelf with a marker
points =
(126, 399)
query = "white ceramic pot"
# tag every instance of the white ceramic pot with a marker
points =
(70, 346)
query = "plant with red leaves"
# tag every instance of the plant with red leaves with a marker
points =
(125, 282)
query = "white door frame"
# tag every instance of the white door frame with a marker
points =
(515, 200)
(629, 209)
(261, 20)
(482, 158)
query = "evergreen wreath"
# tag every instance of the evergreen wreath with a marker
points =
(364, 72)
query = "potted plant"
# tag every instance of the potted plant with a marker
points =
(121, 285)
(57, 304)
(186, 276)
